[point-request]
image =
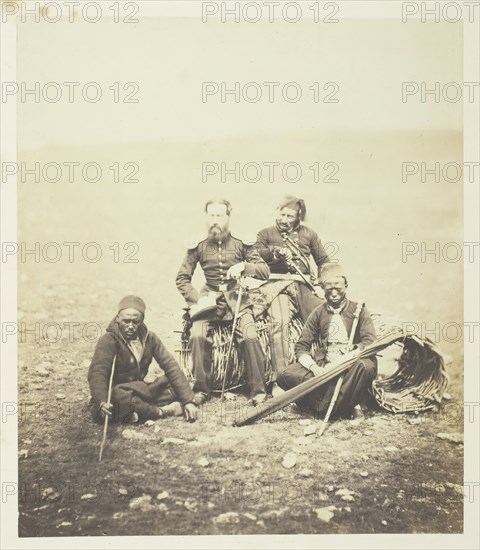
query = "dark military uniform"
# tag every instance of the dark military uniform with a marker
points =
(356, 381)
(305, 238)
(279, 314)
(216, 258)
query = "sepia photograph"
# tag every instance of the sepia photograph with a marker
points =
(240, 274)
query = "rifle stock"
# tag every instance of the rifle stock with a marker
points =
(336, 368)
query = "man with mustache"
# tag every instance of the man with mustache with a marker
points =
(287, 248)
(329, 326)
(223, 259)
(133, 346)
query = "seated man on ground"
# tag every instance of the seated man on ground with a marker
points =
(133, 346)
(329, 326)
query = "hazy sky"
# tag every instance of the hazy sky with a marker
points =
(170, 58)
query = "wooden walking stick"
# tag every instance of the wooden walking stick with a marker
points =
(105, 422)
(230, 344)
(340, 378)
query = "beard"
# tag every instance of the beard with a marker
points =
(285, 226)
(217, 233)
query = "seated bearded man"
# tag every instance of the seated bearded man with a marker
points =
(224, 259)
(287, 248)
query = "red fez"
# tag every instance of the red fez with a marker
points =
(132, 302)
(294, 203)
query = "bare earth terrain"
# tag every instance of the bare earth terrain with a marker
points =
(388, 474)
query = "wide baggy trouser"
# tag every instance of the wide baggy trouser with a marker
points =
(139, 397)
(354, 389)
(249, 348)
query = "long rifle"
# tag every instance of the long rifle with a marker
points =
(292, 264)
(232, 337)
(107, 417)
(333, 370)
(338, 385)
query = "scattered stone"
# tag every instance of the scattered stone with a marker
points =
(42, 371)
(88, 496)
(367, 432)
(149, 423)
(23, 453)
(344, 454)
(163, 495)
(452, 437)
(364, 474)
(457, 488)
(289, 460)
(344, 492)
(65, 524)
(162, 507)
(123, 491)
(305, 422)
(447, 396)
(128, 433)
(260, 523)
(348, 498)
(324, 514)
(347, 509)
(384, 522)
(191, 504)
(227, 517)
(142, 503)
(28, 441)
(366, 458)
(414, 421)
(274, 514)
(310, 429)
(305, 472)
(50, 494)
(329, 488)
(302, 440)
(250, 516)
(174, 440)
(321, 497)
(60, 396)
(391, 449)
(203, 462)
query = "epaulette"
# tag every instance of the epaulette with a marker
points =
(247, 240)
(191, 243)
